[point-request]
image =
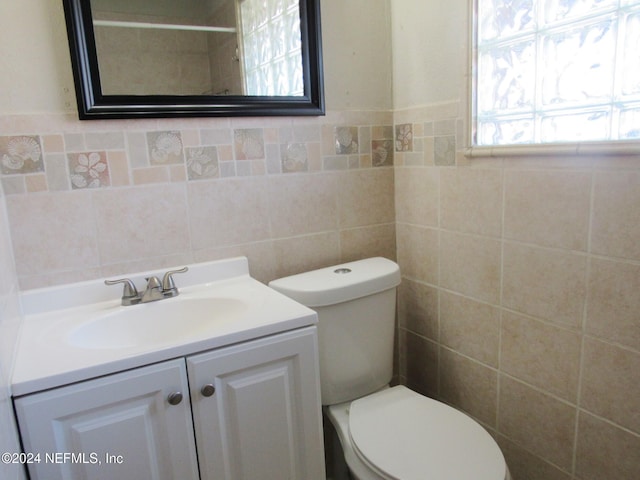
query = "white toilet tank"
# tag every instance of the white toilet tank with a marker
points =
(356, 305)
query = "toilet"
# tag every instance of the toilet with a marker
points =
(384, 432)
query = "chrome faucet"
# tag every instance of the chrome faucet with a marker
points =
(153, 291)
(156, 289)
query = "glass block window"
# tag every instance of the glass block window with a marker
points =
(271, 47)
(549, 71)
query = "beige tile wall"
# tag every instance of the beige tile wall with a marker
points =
(521, 278)
(520, 301)
(94, 199)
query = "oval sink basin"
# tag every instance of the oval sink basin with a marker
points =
(156, 323)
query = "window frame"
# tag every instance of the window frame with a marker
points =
(622, 147)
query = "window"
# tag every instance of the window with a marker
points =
(549, 71)
(271, 45)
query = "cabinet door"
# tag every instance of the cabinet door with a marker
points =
(263, 422)
(118, 426)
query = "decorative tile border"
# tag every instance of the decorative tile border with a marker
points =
(249, 143)
(294, 158)
(79, 157)
(346, 140)
(164, 147)
(88, 170)
(20, 154)
(404, 137)
(202, 162)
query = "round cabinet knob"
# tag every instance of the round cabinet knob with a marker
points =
(174, 398)
(208, 390)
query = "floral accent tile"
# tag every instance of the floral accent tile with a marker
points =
(20, 154)
(294, 158)
(346, 140)
(88, 170)
(404, 137)
(444, 150)
(249, 143)
(164, 147)
(382, 153)
(202, 162)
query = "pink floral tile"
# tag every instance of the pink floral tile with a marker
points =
(20, 154)
(88, 170)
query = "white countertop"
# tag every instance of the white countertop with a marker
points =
(45, 358)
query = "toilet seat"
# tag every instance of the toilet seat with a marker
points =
(402, 435)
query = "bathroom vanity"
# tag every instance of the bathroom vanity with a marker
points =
(232, 394)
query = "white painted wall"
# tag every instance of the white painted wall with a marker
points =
(430, 40)
(357, 46)
(36, 66)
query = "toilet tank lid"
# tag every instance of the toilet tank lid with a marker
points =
(340, 283)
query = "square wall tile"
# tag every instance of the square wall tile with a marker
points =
(308, 252)
(416, 196)
(418, 308)
(366, 197)
(541, 354)
(368, 241)
(611, 383)
(471, 265)
(548, 208)
(613, 308)
(605, 451)
(470, 327)
(616, 227)
(63, 220)
(226, 213)
(419, 363)
(524, 465)
(471, 200)
(292, 197)
(418, 252)
(540, 423)
(545, 283)
(141, 223)
(469, 385)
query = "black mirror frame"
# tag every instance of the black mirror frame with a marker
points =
(92, 104)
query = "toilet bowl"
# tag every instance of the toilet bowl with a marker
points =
(385, 433)
(401, 435)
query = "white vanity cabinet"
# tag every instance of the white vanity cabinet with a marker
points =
(118, 426)
(264, 419)
(249, 411)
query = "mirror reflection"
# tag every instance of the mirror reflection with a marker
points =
(199, 47)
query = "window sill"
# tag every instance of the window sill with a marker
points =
(613, 148)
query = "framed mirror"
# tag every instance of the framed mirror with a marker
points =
(195, 58)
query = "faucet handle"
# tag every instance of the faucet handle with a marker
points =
(130, 294)
(168, 287)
